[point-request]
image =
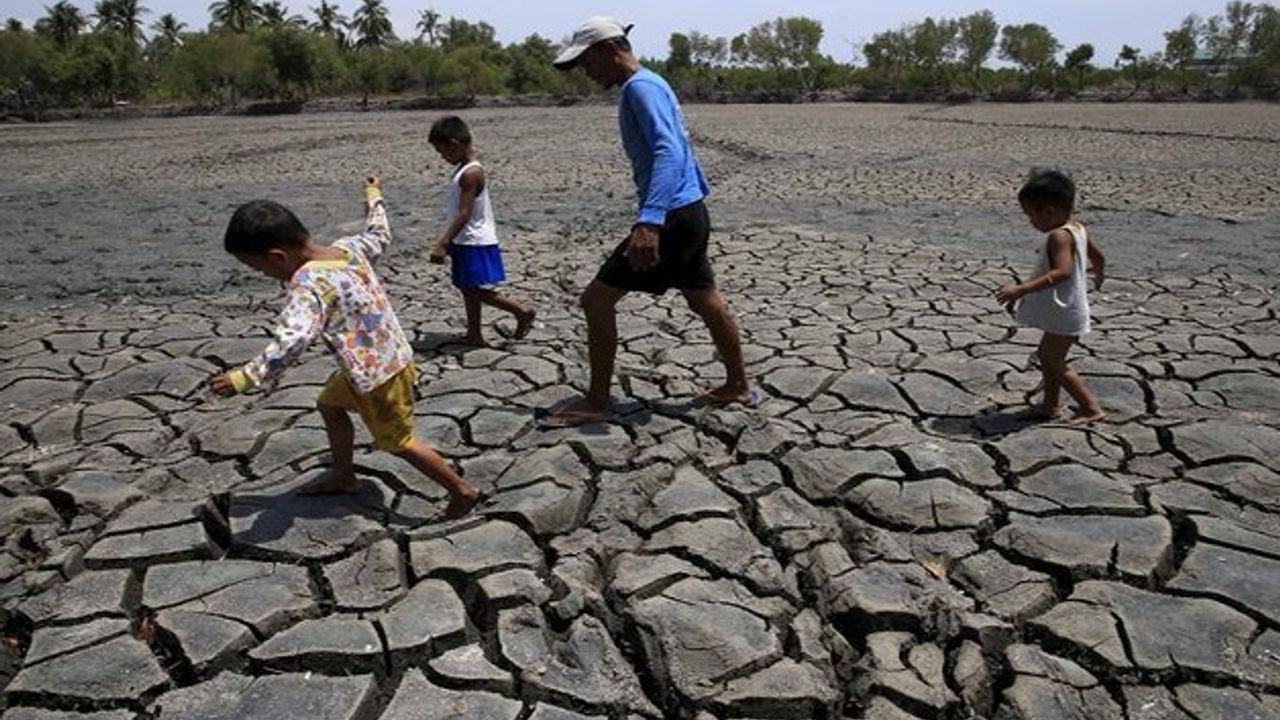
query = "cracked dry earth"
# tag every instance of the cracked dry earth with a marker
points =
(878, 540)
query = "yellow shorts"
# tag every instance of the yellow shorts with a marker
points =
(387, 410)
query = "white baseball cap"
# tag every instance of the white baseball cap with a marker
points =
(594, 30)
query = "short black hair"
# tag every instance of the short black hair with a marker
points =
(263, 225)
(622, 43)
(1049, 188)
(449, 128)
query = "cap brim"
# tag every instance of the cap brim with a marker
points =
(569, 57)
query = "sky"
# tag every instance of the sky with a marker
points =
(848, 24)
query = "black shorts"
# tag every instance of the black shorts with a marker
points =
(682, 257)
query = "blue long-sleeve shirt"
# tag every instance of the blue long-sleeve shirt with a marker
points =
(663, 163)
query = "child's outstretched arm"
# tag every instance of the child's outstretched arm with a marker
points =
(1062, 257)
(1097, 263)
(299, 324)
(376, 237)
(471, 184)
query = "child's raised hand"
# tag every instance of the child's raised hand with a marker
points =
(372, 189)
(222, 386)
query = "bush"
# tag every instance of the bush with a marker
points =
(218, 68)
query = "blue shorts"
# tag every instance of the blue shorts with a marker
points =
(477, 267)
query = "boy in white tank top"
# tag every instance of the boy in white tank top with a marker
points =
(470, 239)
(1055, 299)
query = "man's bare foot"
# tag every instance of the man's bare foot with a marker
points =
(524, 323)
(1087, 417)
(575, 412)
(724, 396)
(459, 505)
(331, 483)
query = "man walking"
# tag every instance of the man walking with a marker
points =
(667, 247)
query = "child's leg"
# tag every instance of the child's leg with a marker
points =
(462, 496)
(341, 478)
(1089, 411)
(472, 304)
(1053, 365)
(1057, 375)
(524, 314)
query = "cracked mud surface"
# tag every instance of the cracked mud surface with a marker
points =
(880, 539)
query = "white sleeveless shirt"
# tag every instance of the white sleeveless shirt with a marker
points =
(1064, 308)
(480, 229)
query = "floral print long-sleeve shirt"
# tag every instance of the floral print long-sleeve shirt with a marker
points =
(341, 302)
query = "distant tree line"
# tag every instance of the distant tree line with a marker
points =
(254, 51)
(1219, 56)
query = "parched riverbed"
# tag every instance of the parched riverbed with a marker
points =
(879, 539)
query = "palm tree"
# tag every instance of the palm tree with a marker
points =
(275, 13)
(168, 30)
(235, 15)
(62, 23)
(428, 24)
(329, 22)
(122, 16)
(372, 25)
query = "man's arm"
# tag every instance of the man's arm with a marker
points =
(470, 185)
(299, 324)
(647, 102)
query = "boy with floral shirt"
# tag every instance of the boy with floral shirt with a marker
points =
(335, 295)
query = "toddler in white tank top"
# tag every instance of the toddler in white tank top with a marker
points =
(1055, 298)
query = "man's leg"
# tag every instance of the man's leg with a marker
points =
(710, 305)
(599, 303)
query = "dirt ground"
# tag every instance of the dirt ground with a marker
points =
(883, 536)
(138, 208)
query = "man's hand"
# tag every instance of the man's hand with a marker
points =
(642, 248)
(1009, 294)
(222, 386)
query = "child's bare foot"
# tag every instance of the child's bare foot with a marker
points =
(331, 483)
(725, 395)
(459, 505)
(1087, 417)
(524, 323)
